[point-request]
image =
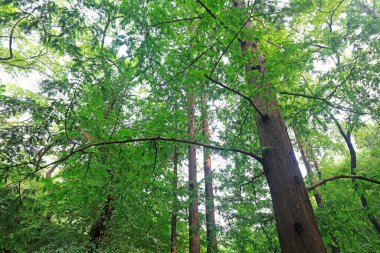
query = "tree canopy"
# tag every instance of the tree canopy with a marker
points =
(110, 109)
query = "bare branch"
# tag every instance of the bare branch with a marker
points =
(325, 180)
(105, 30)
(319, 46)
(251, 180)
(210, 12)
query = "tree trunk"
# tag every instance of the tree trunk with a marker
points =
(363, 200)
(306, 161)
(194, 242)
(317, 194)
(98, 228)
(305, 157)
(173, 241)
(209, 189)
(295, 221)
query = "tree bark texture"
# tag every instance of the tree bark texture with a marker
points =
(295, 221)
(194, 241)
(173, 241)
(209, 189)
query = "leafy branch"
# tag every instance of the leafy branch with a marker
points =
(11, 40)
(263, 116)
(176, 20)
(157, 138)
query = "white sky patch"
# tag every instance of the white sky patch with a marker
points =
(29, 81)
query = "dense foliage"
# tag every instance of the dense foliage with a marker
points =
(115, 72)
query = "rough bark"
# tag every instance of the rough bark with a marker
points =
(209, 189)
(295, 221)
(173, 241)
(194, 241)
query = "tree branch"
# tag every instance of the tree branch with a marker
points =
(158, 138)
(176, 20)
(210, 13)
(105, 30)
(190, 64)
(11, 41)
(251, 180)
(229, 45)
(263, 116)
(340, 107)
(344, 81)
(325, 180)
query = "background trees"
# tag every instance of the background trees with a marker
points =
(122, 71)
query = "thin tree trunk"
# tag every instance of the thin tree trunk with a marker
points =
(295, 221)
(194, 241)
(209, 189)
(303, 152)
(317, 194)
(306, 161)
(353, 166)
(315, 160)
(173, 241)
(363, 199)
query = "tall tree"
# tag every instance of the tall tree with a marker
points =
(194, 240)
(173, 235)
(295, 221)
(209, 189)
